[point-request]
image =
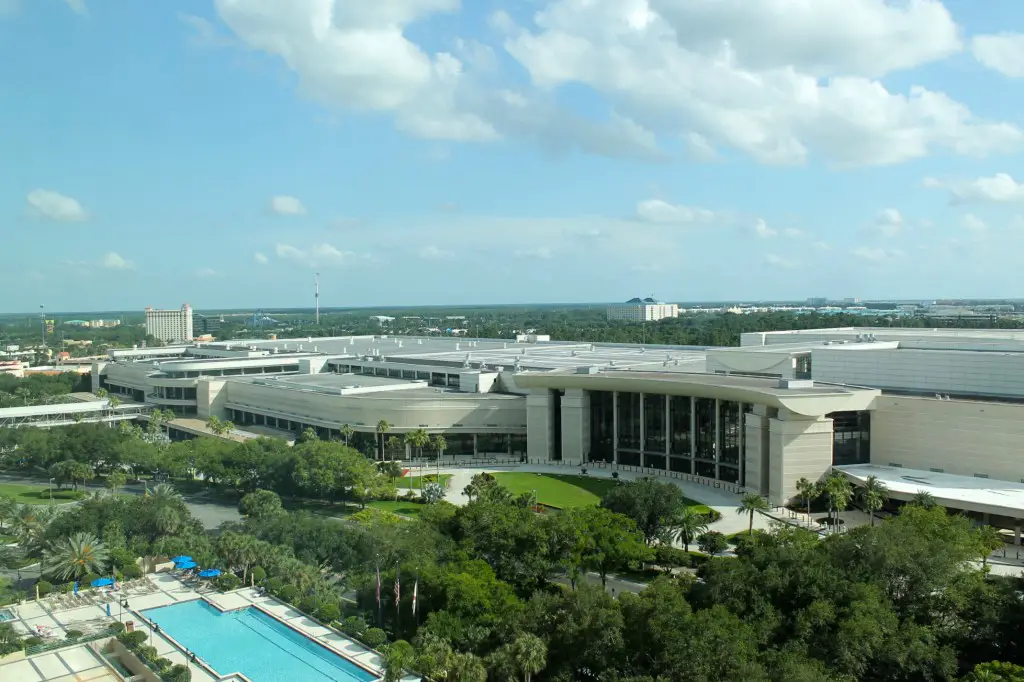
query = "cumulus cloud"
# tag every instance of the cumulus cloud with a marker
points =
(974, 223)
(762, 230)
(45, 203)
(658, 211)
(114, 261)
(208, 273)
(435, 253)
(286, 205)
(318, 255)
(876, 255)
(78, 7)
(260, 258)
(999, 188)
(778, 261)
(1002, 52)
(538, 253)
(888, 223)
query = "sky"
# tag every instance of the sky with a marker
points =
(432, 152)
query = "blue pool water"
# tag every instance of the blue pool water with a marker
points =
(5, 615)
(252, 643)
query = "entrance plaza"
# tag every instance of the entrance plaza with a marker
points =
(53, 616)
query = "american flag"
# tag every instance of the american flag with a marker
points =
(378, 587)
(398, 589)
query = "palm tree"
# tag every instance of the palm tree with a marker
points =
(76, 556)
(689, 526)
(807, 492)
(839, 492)
(751, 503)
(923, 498)
(419, 439)
(164, 493)
(8, 507)
(530, 655)
(346, 433)
(166, 520)
(873, 495)
(440, 445)
(400, 655)
(467, 668)
(382, 427)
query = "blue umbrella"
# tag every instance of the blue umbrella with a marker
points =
(102, 582)
(209, 573)
(186, 564)
(180, 558)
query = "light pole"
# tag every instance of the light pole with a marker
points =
(50, 490)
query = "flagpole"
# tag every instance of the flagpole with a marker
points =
(380, 612)
(398, 603)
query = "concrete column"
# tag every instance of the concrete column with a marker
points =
(756, 449)
(668, 430)
(475, 450)
(693, 434)
(539, 429)
(799, 447)
(615, 426)
(1016, 533)
(718, 439)
(575, 424)
(643, 427)
(741, 437)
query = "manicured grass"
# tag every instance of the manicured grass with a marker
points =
(413, 482)
(400, 507)
(557, 490)
(33, 494)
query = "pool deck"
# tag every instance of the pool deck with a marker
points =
(80, 664)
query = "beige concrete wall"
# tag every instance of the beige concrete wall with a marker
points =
(799, 448)
(456, 412)
(756, 453)
(211, 397)
(540, 430)
(957, 436)
(575, 424)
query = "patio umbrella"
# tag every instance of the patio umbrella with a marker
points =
(180, 558)
(102, 582)
(186, 564)
(209, 573)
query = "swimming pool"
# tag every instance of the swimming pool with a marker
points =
(6, 615)
(252, 643)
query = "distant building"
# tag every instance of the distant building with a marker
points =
(170, 325)
(15, 368)
(204, 325)
(642, 310)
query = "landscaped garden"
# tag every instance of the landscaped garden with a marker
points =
(34, 494)
(417, 482)
(562, 491)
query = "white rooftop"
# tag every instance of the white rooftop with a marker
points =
(949, 490)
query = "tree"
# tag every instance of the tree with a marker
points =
(529, 652)
(8, 510)
(346, 433)
(610, 540)
(688, 526)
(399, 656)
(749, 505)
(839, 492)
(873, 495)
(653, 505)
(76, 556)
(219, 426)
(70, 471)
(393, 445)
(433, 493)
(382, 428)
(418, 439)
(308, 434)
(995, 671)
(116, 481)
(923, 498)
(479, 485)
(439, 444)
(260, 504)
(467, 668)
(712, 542)
(807, 491)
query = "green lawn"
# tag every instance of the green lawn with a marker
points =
(413, 482)
(34, 494)
(563, 491)
(400, 507)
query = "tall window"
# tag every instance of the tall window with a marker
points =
(602, 426)
(729, 427)
(654, 423)
(705, 411)
(679, 416)
(851, 437)
(629, 421)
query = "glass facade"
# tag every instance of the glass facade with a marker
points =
(654, 425)
(629, 421)
(602, 427)
(704, 408)
(729, 432)
(851, 437)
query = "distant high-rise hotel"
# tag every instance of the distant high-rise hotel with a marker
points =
(170, 325)
(642, 310)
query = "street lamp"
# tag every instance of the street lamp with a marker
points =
(50, 490)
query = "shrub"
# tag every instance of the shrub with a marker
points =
(132, 639)
(308, 605)
(44, 588)
(410, 496)
(87, 579)
(666, 555)
(374, 637)
(116, 628)
(274, 585)
(712, 542)
(226, 582)
(288, 593)
(178, 673)
(328, 612)
(131, 571)
(354, 625)
(615, 475)
(258, 575)
(32, 641)
(147, 653)
(73, 634)
(162, 665)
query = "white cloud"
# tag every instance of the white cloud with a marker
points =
(974, 223)
(876, 255)
(435, 253)
(78, 7)
(762, 230)
(203, 33)
(319, 255)
(749, 75)
(45, 203)
(778, 261)
(792, 233)
(114, 261)
(207, 273)
(822, 246)
(1002, 52)
(1000, 188)
(286, 205)
(698, 148)
(538, 253)
(260, 258)
(888, 223)
(658, 211)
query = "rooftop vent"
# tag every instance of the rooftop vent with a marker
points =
(796, 383)
(589, 369)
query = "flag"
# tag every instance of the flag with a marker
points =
(415, 591)
(398, 589)
(378, 587)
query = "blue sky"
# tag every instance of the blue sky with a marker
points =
(419, 152)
